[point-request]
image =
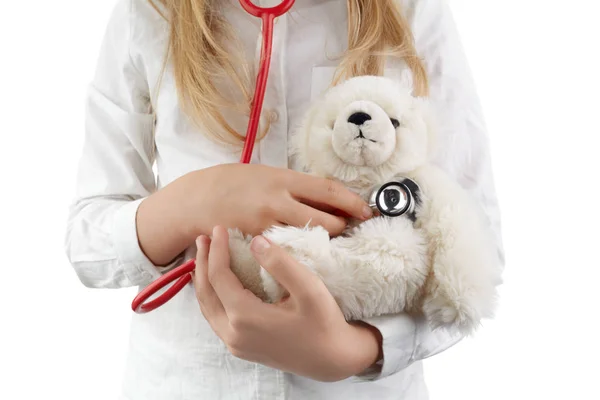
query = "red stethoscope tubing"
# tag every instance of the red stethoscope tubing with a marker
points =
(182, 274)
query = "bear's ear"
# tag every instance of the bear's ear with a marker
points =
(423, 108)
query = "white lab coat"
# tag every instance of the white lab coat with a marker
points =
(174, 355)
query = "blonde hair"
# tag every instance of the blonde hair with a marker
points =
(199, 36)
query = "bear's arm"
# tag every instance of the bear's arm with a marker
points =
(464, 155)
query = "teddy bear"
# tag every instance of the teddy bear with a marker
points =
(437, 261)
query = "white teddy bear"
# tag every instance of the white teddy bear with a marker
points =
(438, 260)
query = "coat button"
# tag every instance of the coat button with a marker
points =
(273, 116)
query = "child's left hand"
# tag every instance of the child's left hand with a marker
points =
(306, 334)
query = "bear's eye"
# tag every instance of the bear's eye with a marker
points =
(395, 122)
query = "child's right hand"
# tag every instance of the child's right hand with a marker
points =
(256, 197)
(249, 197)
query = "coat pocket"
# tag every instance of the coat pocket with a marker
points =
(322, 76)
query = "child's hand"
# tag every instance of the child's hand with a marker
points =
(306, 334)
(254, 197)
(249, 197)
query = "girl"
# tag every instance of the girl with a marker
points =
(159, 174)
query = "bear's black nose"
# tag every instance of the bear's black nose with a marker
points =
(359, 118)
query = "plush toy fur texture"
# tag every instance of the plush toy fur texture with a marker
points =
(366, 132)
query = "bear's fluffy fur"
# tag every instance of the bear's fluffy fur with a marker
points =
(443, 265)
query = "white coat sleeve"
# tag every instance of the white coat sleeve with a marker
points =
(115, 168)
(463, 153)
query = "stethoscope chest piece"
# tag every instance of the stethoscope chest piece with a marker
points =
(396, 198)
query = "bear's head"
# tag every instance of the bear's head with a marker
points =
(365, 131)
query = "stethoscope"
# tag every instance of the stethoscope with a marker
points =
(391, 199)
(396, 198)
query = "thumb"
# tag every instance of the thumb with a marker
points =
(299, 281)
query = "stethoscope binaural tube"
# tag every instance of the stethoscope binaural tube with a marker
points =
(182, 274)
(268, 15)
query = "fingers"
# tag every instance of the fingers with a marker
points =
(331, 193)
(226, 285)
(301, 283)
(320, 206)
(303, 214)
(210, 305)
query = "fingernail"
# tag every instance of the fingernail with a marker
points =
(367, 212)
(200, 240)
(260, 244)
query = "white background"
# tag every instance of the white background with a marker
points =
(537, 69)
